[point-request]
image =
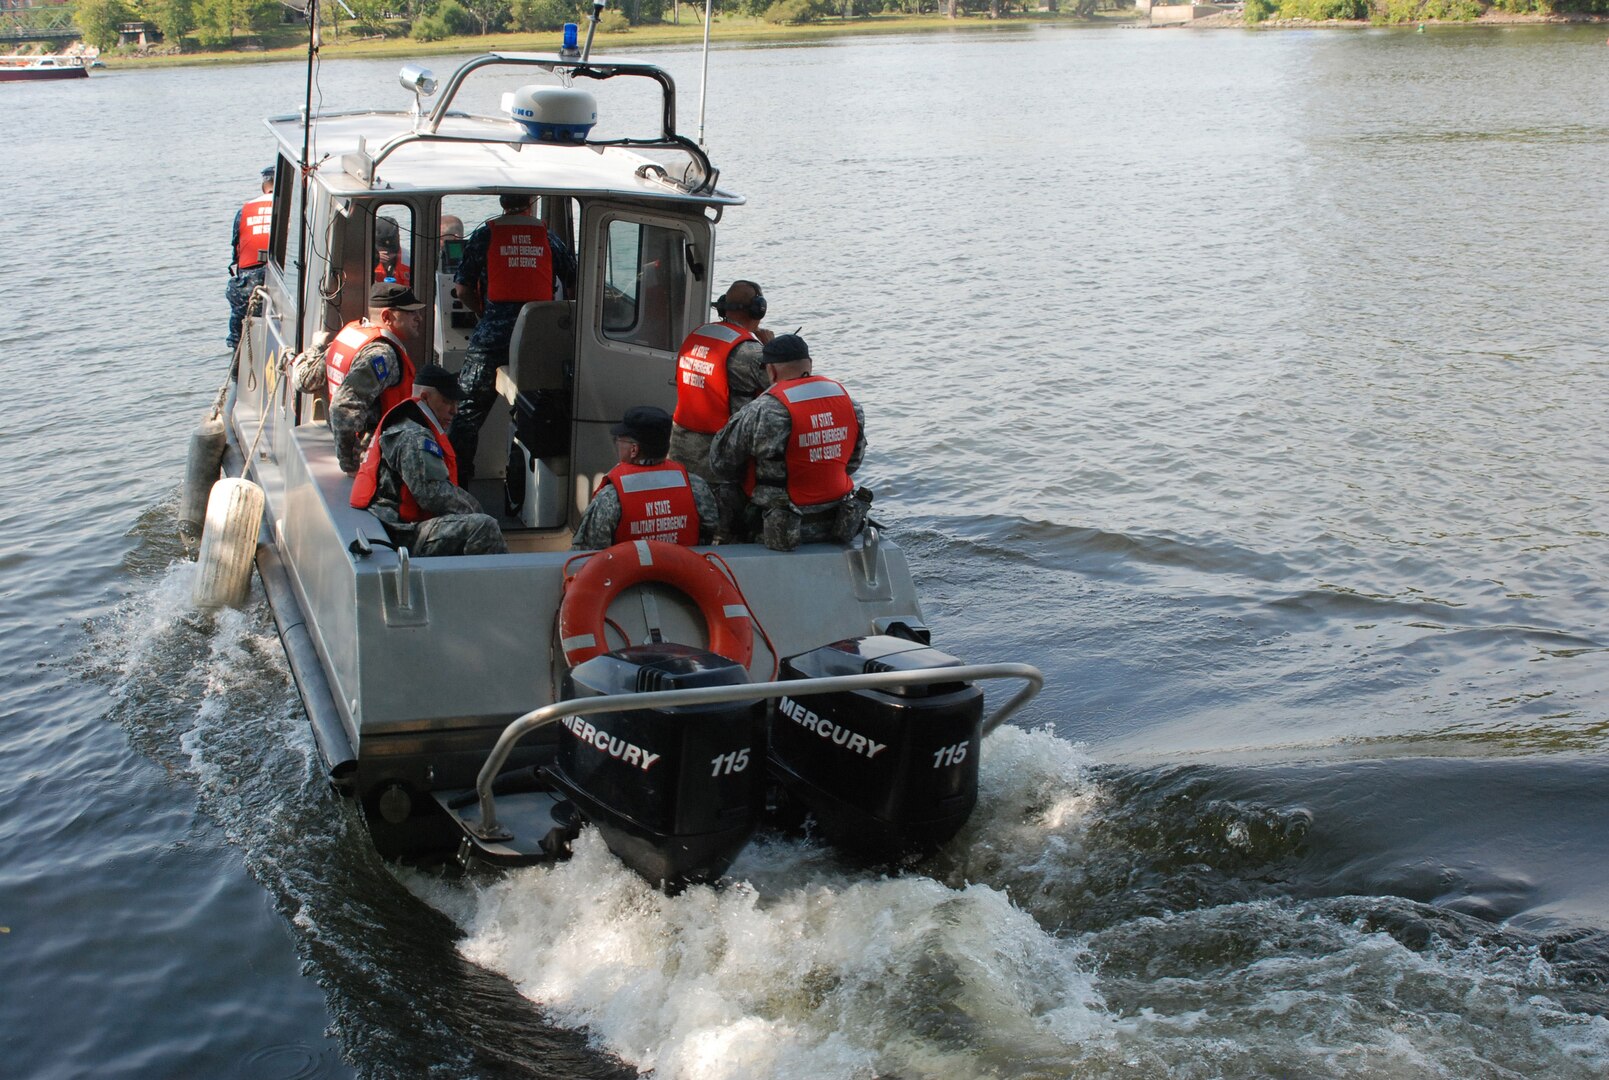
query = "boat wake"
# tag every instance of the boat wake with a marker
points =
(1088, 921)
(1026, 950)
(208, 697)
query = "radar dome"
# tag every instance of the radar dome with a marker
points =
(556, 114)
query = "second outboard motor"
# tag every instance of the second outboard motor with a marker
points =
(676, 792)
(884, 772)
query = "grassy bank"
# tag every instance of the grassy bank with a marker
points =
(727, 30)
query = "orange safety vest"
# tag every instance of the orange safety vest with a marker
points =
(256, 223)
(519, 261)
(656, 503)
(353, 339)
(402, 274)
(703, 394)
(823, 436)
(367, 482)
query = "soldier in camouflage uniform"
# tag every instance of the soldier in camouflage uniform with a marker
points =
(242, 280)
(761, 433)
(355, 405)
(410, 464)
(488, 345)
(641, 439)
(713, 400)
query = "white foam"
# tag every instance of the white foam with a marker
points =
(801, 968)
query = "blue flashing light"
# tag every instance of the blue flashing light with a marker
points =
(571, 39)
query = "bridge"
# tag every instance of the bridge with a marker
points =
(48, 22)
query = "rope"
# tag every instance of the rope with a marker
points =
(280, 367)
(776, 661)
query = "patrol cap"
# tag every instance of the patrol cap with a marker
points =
(440, 380)
(268, 172)
(388, 294)
(649, 426)
(785, 349)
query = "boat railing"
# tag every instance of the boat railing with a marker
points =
(699, 180)
(488, 828)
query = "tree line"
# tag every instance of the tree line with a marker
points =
(215, 24)
(1389, 12)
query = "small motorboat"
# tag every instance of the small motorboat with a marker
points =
(484, 708)
(41, 68)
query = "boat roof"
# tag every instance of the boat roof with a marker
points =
(468, 153)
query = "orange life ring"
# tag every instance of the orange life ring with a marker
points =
(611, 571)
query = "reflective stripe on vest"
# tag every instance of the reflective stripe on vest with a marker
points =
(519, 261)
(256, 223)
(367, 482)
(656, 503)
(823, 436)
(703, 393)
(353, 339)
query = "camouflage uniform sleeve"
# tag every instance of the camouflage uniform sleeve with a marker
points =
(309, 372)
(860, 438)
(355, 407)
(759, 432)
(772, 429)
(729, 450)
(599, 521)
(564, 264)
(709, 512)
(745, 375)
(418, 458)
(473, 266)
(234, 237)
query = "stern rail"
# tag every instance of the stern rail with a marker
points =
(488, 828)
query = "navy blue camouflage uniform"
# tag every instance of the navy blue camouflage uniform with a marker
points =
(488, 345)
(238, 291)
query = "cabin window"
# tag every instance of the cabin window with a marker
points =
(462, 215)
(645, 284)
(392, 253)
(286, 240)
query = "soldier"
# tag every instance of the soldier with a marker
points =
(248, 253)
(409, 476)
(367, 368)
(793, 449)
(389, 265)
(646, 497)
(718, 371)
(509, 261)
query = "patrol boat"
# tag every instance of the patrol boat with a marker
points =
(484, 708)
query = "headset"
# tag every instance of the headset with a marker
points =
(755, 308)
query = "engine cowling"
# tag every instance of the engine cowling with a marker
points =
(884, 772)
(676, 792)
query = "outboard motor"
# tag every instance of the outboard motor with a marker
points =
(884, 772)
(676, 792)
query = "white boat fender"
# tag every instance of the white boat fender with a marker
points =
(228, 544)
(207, 445)
(553, 114)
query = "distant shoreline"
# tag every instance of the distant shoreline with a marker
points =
(728, 31)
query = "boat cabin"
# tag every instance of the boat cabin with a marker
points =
(639, 215)
(394, 196)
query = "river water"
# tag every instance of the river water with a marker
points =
(1250, 384)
